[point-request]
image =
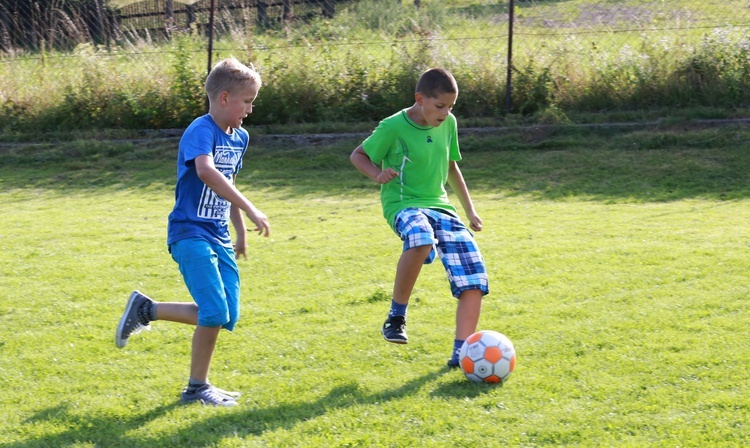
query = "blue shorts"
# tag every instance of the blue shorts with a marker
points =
(212, 278)
(451, 241)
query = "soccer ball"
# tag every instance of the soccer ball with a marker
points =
(487, 356)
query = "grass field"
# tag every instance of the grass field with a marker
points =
(618, 262)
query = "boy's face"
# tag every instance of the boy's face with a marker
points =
(436, 110)
(239, 104)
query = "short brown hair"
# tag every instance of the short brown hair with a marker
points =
(435, 82)
(230, 75)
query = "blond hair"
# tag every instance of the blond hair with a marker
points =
(230, 75)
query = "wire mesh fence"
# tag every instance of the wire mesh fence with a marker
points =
(538, 45)
(60, 24)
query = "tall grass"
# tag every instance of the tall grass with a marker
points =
(362, 65)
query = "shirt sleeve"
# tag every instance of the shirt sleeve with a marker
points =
(245, 139)
(379, 143)
(199, 142)
(454, 151)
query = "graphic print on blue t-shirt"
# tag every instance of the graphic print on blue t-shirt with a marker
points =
(211, 205)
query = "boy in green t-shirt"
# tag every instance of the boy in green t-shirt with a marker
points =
(412, 154)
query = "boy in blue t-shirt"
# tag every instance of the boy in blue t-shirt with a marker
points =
(412, 154)
(206, 199)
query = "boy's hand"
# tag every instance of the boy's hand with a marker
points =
(240, 248)
(475, 222)
(261, 222)
(386, 176)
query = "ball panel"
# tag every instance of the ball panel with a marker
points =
(482, 368)
(493, 354)
(502, 368)
(476, 351)
(492, 379)
(491, 337)
(474, 338)
(467, 365)
(473, 378)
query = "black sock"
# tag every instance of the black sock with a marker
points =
(147, 312)
(194, 385)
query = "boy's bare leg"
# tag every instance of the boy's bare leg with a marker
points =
(467, 313)
(407, 271)
(182, 312)
(204, 342)
(204, 338)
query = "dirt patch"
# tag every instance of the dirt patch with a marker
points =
(606, 16)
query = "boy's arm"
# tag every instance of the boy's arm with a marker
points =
(362, 161)
(216, 181)
(240, 246)
(457, 183)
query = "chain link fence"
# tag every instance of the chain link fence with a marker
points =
(525, 52)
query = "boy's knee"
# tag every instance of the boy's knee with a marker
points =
(425, 253)
(213, 321)
(215, 316)
(425, 249)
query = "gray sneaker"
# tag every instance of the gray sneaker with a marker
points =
(208, 395)
(227, 393)
(130, 322)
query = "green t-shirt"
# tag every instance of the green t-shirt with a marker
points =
(421, 155)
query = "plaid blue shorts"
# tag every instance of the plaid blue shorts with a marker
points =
(450, 240)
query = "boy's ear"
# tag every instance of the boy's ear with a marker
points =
(223, 98)
(418, 97)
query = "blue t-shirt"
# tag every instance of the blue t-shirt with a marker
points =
(198, 211)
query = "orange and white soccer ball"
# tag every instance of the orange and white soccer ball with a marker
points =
(487, 356)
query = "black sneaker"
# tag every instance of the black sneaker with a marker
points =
(394, 330)
(453, 364)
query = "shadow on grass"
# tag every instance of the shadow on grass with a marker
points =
(105, 430)
(552, 163)
(101, 430)
(461, 388)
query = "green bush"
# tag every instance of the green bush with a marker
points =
(719, 71)
(320, 70)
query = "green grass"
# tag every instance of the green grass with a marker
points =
(618, 265)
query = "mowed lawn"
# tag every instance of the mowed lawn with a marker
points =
(618, 262)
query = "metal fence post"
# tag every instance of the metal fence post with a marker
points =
(100, 32)
(210, 44)
(508, 81)
(328, 9)
(169, 11)
(287, 10)
(262, 14)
